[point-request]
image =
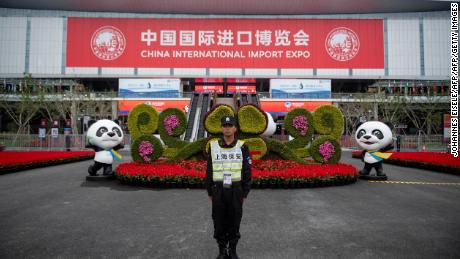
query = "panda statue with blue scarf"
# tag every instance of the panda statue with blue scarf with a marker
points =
(375, 138)
(105, 137)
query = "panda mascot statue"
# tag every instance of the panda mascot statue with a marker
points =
(375, 138)
(105, 137)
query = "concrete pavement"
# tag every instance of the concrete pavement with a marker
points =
(54, 213)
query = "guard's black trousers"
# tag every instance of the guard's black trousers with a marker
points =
(227, 210)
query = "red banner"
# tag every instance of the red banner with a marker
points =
(225, 43)
(241, 80)
(447, 123)
(210, 88)
(242, 89)
(209, 80)
(283, 107)
(124, 107)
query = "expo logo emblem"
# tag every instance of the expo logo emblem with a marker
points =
(342, 44)
(108, 43)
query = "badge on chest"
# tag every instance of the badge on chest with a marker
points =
(225, 156)
(227, 180)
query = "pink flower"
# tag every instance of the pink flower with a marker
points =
(171, 122)
(300, 123)
(145, 150)
(326, 150)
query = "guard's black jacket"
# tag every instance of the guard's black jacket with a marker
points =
(245, 171)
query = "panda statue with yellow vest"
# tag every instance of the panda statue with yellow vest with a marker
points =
(105, 137)
(375, 138)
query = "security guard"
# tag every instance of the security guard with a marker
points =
(228, 181)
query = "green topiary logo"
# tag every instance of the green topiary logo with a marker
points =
(326, 122)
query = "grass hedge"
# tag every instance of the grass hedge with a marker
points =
(275, 146)
(256, 145)
(196, 182)
(296, 133)
(251, 119)
(300, 140)
(214, 116)
(157, 149)
(169, 152)
(315, 150)
(297, 143)
(142, 120)
(173, 139)
(190, 150)
(302, 152)
(265, 174)
(328, 120)
(180, 129)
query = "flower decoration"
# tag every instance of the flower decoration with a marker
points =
(171, 122)
(145, 150)
(300, 123)
(327, 150)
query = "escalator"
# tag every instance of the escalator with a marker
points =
(244, 99)
(204, 109)
(191, 116)
(255, 99)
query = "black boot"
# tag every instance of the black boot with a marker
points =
(222, 252)
(232, 253)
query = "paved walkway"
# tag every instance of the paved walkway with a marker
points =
(54, 213)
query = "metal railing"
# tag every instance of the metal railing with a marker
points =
(68, 95)
(75, 95)
(351, 96)
(408, 143)
(56, 143)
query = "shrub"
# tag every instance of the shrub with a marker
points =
(265, 173)
(298, 123)
(146, 149)
(213, 117)
(326, 150)
(328, 120)
(257, 147)
(282, 150)
(251, 119)
(172, 124)
(169, 152)
(142, 120)
(297, 143)
(190, 150)
(302, 152)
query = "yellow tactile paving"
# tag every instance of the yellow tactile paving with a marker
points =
(422, 183)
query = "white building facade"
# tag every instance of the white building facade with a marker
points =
(416, 46)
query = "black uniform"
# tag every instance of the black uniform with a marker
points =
(227, 203)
